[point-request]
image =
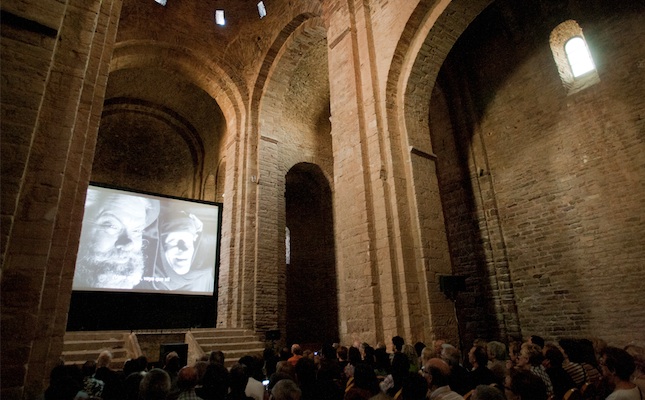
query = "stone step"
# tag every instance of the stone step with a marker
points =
(95, 335)
(73, 345)
(216, 344)
(222, 333)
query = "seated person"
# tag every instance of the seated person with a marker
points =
(617, 368)
(521, 384)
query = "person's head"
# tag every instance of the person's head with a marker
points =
(411, 353)
(342, 353)
(216, 357)
(155, 385)
(305, 372)
(296, 349)
(537, 340)
(172, 363)
(418, 347)
(616, 364)
(414, 387)
(328, 352)
(478, 356)
(437, 373)
(382, 360)
(438, 346)
(530, 354)
(354, 355)
(104, 359)
(487, 392)
(253, 366)
(553, 357)
(514, 348)
(638, 353)
(522, 384)
(398, 342)
(238, 378)
(111, 245)
(449, 354)
(179, 233)
(286, 389)
(285, 367)
(187, 378)
(496, 351)
(365, 378)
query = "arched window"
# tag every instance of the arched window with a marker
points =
(579, 57)
(571, 53)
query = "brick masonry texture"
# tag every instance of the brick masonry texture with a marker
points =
(398, 141)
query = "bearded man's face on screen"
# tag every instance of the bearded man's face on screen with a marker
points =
(113, 252)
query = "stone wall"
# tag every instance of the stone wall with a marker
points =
(546, 186)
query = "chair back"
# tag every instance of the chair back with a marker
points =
(468, 395)
(572, 394)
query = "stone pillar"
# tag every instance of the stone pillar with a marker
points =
(56, 93)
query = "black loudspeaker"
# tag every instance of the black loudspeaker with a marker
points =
(450, 285)
(180, 348)
(273, 335)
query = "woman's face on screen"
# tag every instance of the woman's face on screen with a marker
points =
(179, 248)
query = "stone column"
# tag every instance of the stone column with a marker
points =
(56, 85)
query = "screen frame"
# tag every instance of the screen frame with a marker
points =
(100, 309)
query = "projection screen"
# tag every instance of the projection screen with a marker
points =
(139, 242)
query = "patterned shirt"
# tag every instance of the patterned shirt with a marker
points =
(541, 372)
(444, 393)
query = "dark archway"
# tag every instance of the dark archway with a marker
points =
(312, 304)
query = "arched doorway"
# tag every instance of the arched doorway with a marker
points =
(312, 304)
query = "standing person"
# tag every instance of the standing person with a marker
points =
(617, 368)
(111, 244)
(296, 352)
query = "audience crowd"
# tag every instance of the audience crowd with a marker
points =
(570, 369)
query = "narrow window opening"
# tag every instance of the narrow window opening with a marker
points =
(579, 56)
(219, 17)
(287, 244)
(572, 57)
(262, 10)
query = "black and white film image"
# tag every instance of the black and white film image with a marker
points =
(146, 243)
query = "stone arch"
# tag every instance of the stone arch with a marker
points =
(312, 267)
(172, 129)
(221, 83)
(411, 79)
(278, 141)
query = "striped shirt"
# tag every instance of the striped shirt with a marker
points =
(577, 373)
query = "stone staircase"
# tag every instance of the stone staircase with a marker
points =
(83, 345)
(235, 343)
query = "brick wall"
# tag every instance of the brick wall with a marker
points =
(546, 183)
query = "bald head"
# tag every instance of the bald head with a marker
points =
(187, 378)
(437, 372)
